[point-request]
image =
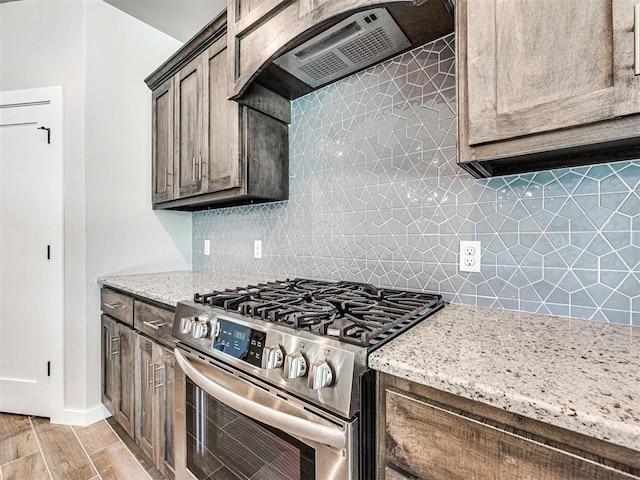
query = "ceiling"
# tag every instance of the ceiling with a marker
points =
(181, 19)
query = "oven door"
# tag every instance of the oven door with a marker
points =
(232, 426)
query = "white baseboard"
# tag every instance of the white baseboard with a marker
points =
(81, 418)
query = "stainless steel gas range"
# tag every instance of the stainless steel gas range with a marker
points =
(273, 380)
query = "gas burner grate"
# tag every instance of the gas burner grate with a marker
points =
(353, 312)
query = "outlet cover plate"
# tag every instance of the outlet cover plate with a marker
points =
(207, 247)
(470, 256)
(257, 249)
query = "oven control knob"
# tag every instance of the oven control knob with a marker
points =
(200, 329)
(320, 375)
(186, 324)
(272, 357)
(294, 365)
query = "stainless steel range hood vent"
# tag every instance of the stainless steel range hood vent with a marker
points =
(362, 39)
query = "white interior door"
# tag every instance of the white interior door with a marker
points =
(31, 226)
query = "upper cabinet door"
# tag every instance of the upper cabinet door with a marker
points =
(545, 65)
(246, 13)
(162, 142)
(221, 159)
(188, 130)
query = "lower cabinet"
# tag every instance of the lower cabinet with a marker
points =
(154, 402)
(138, 379)
(427, 434)
(118, 371)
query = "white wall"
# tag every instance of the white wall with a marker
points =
(100, 56)
(124, 235)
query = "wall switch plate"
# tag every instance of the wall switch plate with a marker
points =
(470, 256)
(257, 249)
(207, 247)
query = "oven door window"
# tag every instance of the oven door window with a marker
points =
(225, 444)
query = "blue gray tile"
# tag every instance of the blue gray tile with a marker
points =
(376, 196)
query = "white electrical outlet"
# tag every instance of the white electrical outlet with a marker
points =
(207, 247)
(470, 256)
(257, 249)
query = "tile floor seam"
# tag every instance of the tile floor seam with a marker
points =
(86, 453)
(35, 434)
(127, 448)
(17, 459)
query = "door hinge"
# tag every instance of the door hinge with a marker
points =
(48, 133)
(48, 252)
(48, 369)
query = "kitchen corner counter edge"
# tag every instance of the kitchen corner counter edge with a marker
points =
(580, 375)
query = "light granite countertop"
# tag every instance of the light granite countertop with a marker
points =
(577, 374)
(171, 287)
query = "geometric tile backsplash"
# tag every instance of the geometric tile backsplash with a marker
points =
(376, 196)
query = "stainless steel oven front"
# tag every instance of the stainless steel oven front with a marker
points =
(231, 425)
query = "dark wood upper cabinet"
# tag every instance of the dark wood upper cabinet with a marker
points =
(162, 142)
(546, 84)
(188, 129)
(221, 164)
(219, 155)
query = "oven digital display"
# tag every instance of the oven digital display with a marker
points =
(232, 339)
(240, 342)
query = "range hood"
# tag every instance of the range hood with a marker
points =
(358, 41)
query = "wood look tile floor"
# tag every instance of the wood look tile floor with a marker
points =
(31, 448)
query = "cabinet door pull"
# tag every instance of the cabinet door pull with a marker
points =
(149, 375)
(154, 324)
(115, 339)
(113, 306)
(193, 169)
(636, 38)
(107, 347)
(200, 167)
(157, 385)
(169, 179)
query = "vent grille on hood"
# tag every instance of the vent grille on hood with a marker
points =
(361, 40)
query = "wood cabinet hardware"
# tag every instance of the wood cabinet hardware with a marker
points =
(113, 306)
(154, 325)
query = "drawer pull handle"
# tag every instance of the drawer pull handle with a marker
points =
(113, 306)
(155, 325)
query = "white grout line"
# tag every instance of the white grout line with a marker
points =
(33, 429)
(127, 449)
(85, 452)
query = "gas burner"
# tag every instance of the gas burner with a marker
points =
(353, 312)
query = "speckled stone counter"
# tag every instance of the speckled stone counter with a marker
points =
(577, 374)
(171, 287)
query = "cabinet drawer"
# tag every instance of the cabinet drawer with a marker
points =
(434, 441)
(154, 322)
(117, 305)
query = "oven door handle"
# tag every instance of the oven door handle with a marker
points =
(260, 405)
